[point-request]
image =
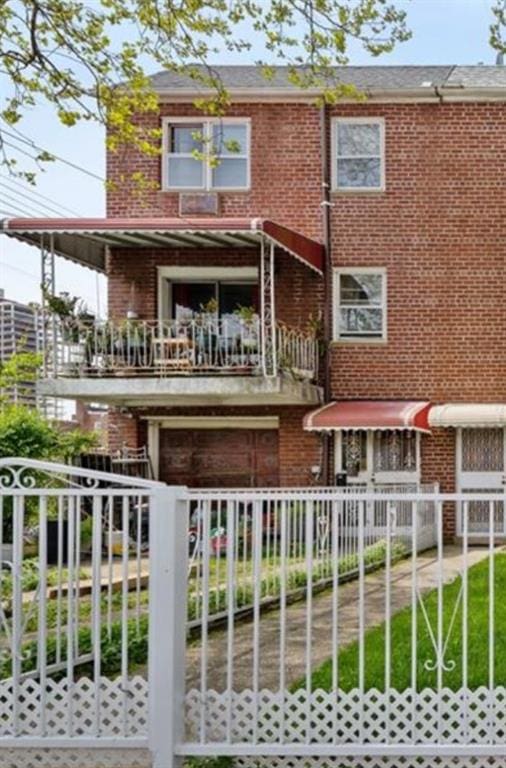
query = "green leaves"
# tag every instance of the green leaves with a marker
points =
(90, 61)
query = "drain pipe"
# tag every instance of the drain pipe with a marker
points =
(327, 473)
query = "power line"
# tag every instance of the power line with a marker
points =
(29, 189)
(17, 194)
(27, 208)
(32, 145)
(17, 211)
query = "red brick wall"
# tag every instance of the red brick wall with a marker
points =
(438, 230)
(438, 466)
(285, 175)
(124, 429)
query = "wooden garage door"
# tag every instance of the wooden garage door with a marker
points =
(219, 458)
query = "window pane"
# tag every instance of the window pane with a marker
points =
(230, 139)
(231, 172)
(235, 295)
(361, 289)
(186, 138)
(358, 139)
(189, 298)
(357, 172)
(361, 322)
(185, 172)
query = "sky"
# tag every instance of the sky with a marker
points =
(444, 32)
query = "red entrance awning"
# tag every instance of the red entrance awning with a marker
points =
(369, 414)
(86, 240)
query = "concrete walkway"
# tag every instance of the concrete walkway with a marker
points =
(296, 618)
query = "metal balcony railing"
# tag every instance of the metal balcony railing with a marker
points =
(171, 347)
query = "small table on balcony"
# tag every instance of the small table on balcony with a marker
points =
(177, 353)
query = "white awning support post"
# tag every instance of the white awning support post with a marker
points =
(267, 310)
(47, 285)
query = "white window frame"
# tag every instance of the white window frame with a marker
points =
(336, 121)
(336, 305)
(168, 274)
(207, 124)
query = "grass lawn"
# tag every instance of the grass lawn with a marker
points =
(478, 618)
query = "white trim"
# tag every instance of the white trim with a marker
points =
(213, 422)
(335, 121)
(206, 122)
(426, 94)
(154, 447)
(197, 274)
(337, 272)
(209, 273)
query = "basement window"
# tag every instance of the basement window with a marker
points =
(358, 154)
(206, 155)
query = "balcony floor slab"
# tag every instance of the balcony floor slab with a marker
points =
(185, 390)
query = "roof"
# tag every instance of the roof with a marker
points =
(239, 76)
(86, 240)
(369, 414)
(377, 79)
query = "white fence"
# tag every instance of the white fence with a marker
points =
(109, 642)
(212, 509)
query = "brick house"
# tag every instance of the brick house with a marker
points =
(382, 218)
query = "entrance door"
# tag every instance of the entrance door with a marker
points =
(381, 460)
(481, 467)
(376, 458)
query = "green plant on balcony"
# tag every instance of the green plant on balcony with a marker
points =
(207, 332)
(75, 318)
(130, 343)
(248, 319)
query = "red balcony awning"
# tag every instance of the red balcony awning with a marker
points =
(369, 414)
(86, 240)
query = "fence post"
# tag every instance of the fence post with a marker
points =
(168, 548)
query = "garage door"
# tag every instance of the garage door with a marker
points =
(219, 458)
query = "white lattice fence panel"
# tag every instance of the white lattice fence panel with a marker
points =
(75, 758)
(368, 762)
(77, 708)
(374, 717)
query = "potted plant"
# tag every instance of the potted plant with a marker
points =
(132, 345)
(207, 332)
(248, 320)
(247, 341)
(76, 323)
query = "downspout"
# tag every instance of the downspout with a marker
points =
(327, 474)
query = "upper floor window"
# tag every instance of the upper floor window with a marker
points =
(206, 154)
(358, 154)
(360, 304)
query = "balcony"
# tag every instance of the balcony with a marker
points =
(180, 362)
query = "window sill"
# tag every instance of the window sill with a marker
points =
(364, 192)
(358, 342)
(189, 191)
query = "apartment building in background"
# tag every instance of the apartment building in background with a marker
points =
(20, 331)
